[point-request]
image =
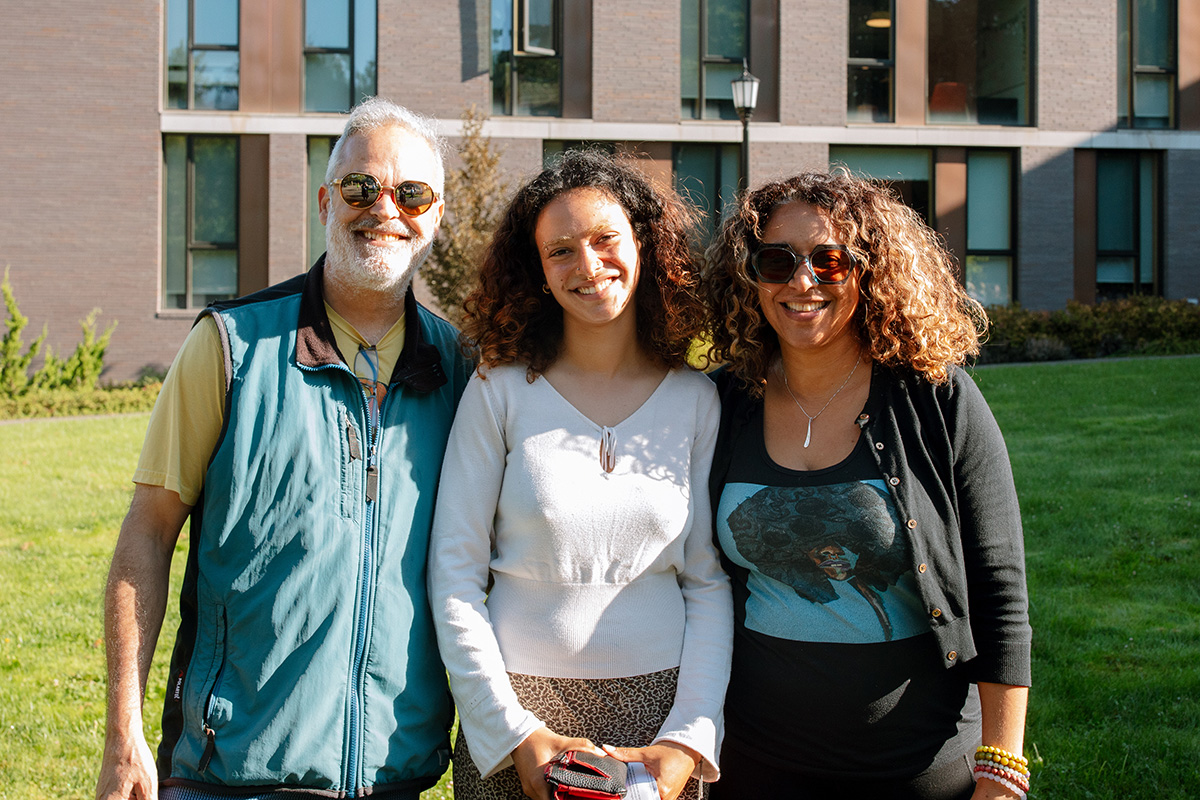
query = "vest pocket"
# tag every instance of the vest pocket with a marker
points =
(215, 709)
(350, 466)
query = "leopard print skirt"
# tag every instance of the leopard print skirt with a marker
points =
(622, 712)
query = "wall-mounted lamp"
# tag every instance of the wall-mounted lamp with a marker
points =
(879, 19)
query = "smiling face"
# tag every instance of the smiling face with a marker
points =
(805, 314)
(379, 248)
(589, 256)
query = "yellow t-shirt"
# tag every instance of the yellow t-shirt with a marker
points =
(190, 409)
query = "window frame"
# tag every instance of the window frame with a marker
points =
(1127, 79)
(704, 60)
(349, 50)
(521, 50)
(192, 49)
(191, 244)
(1012, 250)
(1154, 287)
(888, 64)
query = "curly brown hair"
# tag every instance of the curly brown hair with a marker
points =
(509, 319)
(913, 312)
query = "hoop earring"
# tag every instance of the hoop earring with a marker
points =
(545, 288)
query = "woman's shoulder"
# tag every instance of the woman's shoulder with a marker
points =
(691, 382)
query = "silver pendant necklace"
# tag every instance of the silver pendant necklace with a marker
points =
(811, 417)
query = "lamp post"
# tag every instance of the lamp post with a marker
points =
(745, 98)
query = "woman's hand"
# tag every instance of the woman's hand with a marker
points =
(670, 764)
(532, 755)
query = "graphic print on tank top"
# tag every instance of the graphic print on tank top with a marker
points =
(827, 563)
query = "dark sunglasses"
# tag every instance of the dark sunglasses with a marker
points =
(361, 190)
(827, 263)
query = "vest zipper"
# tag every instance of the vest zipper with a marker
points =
(210, 736)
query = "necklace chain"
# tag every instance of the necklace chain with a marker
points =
(811, 417)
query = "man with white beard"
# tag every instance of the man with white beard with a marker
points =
(301, 429)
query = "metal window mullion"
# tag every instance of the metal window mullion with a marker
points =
(351, 5)
(702, 51)
(189, 205)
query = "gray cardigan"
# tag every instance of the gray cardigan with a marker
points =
(941, 453)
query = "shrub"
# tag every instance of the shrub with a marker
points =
(1136, 325)
(75, 402)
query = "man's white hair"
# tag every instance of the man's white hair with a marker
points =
(374, 113)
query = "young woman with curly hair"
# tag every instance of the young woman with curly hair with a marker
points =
(865, 508)
(577, 593)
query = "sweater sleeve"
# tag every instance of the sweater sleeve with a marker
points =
(696, 719)
(993, 543)
(463, 537)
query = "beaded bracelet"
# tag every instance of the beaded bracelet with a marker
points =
(997, 757)
(1016, 769)
(1012, 787)
(1007, 774)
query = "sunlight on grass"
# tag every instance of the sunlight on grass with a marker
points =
(1105, 455)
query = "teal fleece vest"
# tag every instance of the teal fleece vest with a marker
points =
(306, 655)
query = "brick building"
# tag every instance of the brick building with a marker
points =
(174, 146)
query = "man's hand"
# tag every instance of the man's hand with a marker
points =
(670, 764)
(532, 755)
(128, 771)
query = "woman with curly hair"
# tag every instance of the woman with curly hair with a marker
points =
(864, 506)
(577, 591)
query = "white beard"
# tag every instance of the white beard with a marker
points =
(358, 268)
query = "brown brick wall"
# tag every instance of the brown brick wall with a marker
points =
(1182, 224)
(80, 153)
(433, 57)
(812, 62)
(289, 206)
(774, 160)
(1076, 85)
(1045, 219)
(635, 61)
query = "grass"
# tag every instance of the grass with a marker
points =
(1105, 456)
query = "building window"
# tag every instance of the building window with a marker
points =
(200, 228)
(1146, 63)
(319, 148)
(979, 62)
(707, 175)
(202, 54)
(339, 53)
(526, 58)
(906, 170)
(1127, 224)
(990, 246)
(872, 61)
(714, 40)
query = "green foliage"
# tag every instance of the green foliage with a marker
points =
(475, 199)
(80, 372)
(1138, 325)
(77, 402)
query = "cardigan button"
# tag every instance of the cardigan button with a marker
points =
(937, 612)
(894, 481)
(921, 569)
(952, 655)
(879, 445)
(912, 523)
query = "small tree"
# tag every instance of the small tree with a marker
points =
(14, 366)
(475, 200)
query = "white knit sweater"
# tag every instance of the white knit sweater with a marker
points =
(596, 574)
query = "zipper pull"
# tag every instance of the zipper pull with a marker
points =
(372, 483)
(209, 748)
(352, 437)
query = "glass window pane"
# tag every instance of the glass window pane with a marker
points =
(1124, 74)
(176, 49)
(1148, 219)
(214, 196)
(214, 276)
(1116, 182)
(869, 36)
(364, 49)
(905, 163)
(327, 82)
(1154, 41)
(727, 29)
(689, 58)
(989, 201)
(869, 96)
(989, 279)
(318, 159)
(216, 22)
(502, 45)
(216, 79)
(1114, 269)
(1152, 100)
(718, 90)
(978, 61)
(175, 223)
(327, 23)
(538, 81)
(539, 24)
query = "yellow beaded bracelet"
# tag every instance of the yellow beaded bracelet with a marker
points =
(1003, 758)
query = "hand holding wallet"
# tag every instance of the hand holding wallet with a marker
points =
(579, 775)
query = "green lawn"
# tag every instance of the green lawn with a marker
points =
(1106, 456)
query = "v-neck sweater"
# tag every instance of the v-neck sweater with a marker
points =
(544, 563)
